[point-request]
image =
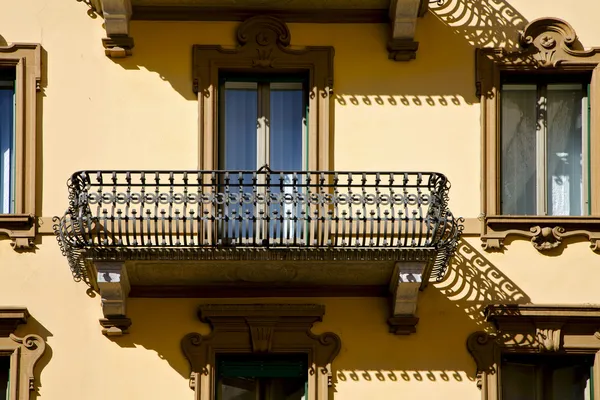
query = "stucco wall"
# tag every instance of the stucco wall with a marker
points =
(140, 112)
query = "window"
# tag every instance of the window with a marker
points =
(540, 123)
(247, 363)
(18, 356)
(544, 147)
(290, 87)
(20, 74)
(543, 377)
(7, 140)
(267, 377)
(537, 352)
(262, 123)
(4, 378)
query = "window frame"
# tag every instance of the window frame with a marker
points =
(250, 329)
(24, 352)
(547, 46)
(541, 82)
(263, 82)
(533, 329)
(263, 47)
(21, 225)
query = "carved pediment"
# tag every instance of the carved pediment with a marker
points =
(263, 42)
(260, 328)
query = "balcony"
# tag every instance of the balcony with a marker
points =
(257, 233)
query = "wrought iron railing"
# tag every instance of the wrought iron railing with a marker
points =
(257, 214)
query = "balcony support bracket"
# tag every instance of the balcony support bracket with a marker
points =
(404, 292)
(116, 13)
(401, 45)
(114, 288)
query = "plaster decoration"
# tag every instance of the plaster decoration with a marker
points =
(116, 13)
(264, 43)
(403, 24)
(113, 285)
(406, 283)
(26, 60)
(260, 328)
(544, 238)
(24, 352)
(548, 44)
(548, 337)
(532, 329)
(281, 4)
(10, 318)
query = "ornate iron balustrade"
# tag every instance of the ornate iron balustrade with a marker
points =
(260, 214)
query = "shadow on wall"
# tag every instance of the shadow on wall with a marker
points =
(449, 312)
(33, 326)
(442, 74)
(483, 23)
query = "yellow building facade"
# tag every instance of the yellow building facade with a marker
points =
(354, 286)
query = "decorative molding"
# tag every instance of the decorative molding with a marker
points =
(532, 329)
(259, 328)
(113, 285)
(407, 281)
(10, 318)
(116, 13)
(26, 59)
(545, 233)
(238, 290)
(263, 43)
(403, 25)
(24, 352)
(546, 45)
(210, 13)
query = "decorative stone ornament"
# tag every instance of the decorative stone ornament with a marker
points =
(24, 352)
(548, 44)
(116, 13)
(403, 25)
(259, 329)
(532, 329)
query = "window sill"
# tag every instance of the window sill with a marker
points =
(20, 228)
(545, 232)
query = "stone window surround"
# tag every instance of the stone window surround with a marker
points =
(23, 352)
(533, 329)
(20, 226)
(263, 45)
(260, 329)
(547, 46)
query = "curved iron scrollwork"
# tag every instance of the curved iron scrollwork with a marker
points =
(189, 214)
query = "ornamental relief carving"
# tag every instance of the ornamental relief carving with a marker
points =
(543, 238)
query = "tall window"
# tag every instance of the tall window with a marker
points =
(7, 140)
(272, 377)
(263, 122)
(545, 152)
(4, 377)
(538, 377)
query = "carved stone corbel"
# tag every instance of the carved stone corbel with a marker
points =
(405, 286)
(403, 24)
(116, 13)
(114, 288)
(548, 336)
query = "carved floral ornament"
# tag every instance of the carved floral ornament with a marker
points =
(260, 329)
(531, 329)
(546, 45)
